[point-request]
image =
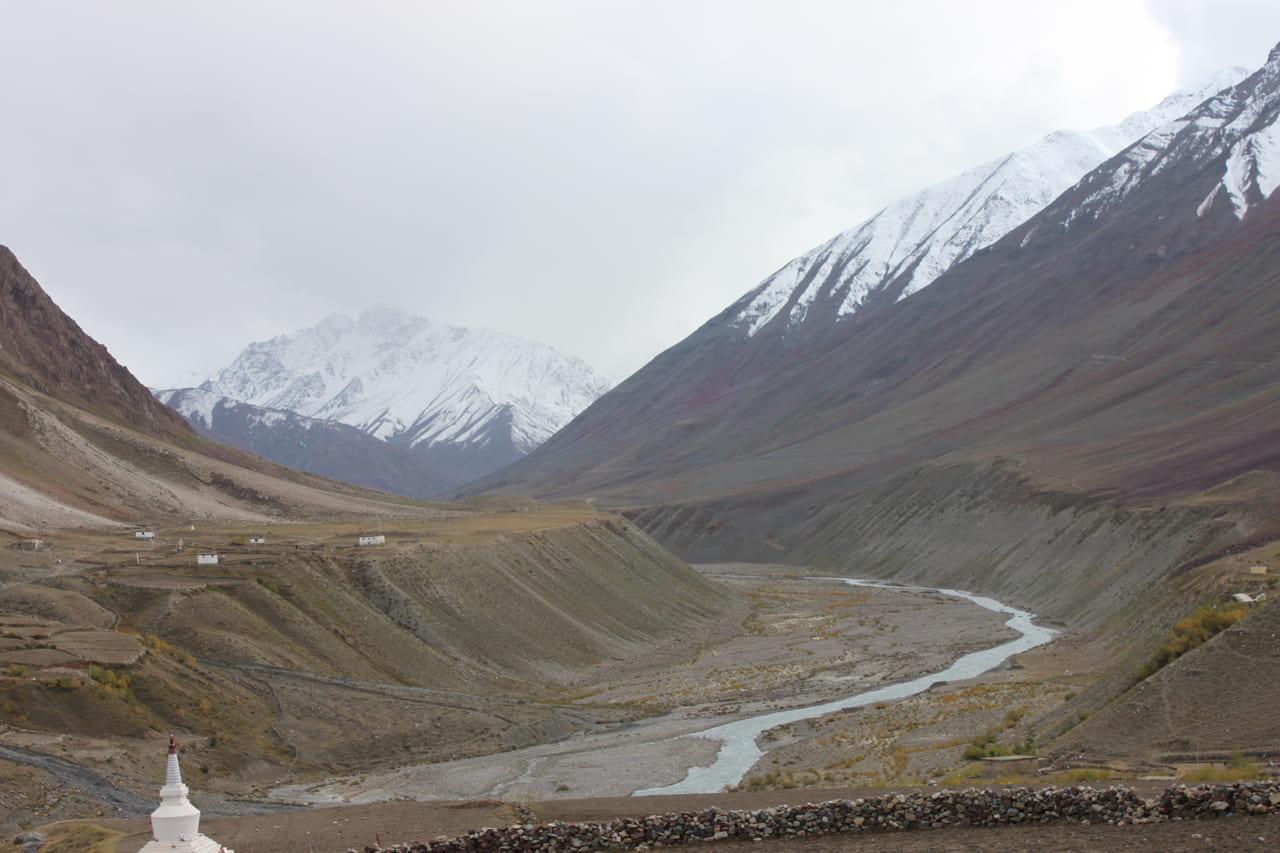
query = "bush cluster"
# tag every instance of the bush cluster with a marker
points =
(1194, 631)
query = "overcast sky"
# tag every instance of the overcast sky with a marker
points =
(185, 178)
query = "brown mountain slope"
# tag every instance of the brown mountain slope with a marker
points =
(62, 466)
(43, 348)
(1096, 355)
(1100, 341)
(943, 440)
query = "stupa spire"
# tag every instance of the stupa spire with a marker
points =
(173, 773)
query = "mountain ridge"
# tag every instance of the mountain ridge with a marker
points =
(467, 401)
(766, 384)
(320, 446)
(911, 241)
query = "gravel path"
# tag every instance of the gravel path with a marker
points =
(126, 803)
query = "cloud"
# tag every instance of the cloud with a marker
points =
(186, 178)
(1216, 35)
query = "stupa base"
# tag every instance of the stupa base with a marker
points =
(198, 844)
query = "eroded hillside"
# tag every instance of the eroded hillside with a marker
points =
(459, 636)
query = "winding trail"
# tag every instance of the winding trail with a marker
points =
(97, 786)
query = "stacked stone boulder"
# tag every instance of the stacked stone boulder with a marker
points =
(970, 807)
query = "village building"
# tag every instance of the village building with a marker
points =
(257, 539)
(370, 539)
(996, 766)
(144, 534)
(29, 545)
(206, 559)
(175, 824)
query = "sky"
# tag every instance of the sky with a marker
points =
(186, 178)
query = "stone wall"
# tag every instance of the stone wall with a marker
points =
(972, 807)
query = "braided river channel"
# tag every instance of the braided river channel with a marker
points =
(739, 750)
(641, 758)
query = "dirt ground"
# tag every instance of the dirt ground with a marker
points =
(337, 829)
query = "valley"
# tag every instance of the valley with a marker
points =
(338, 733)
(267, 657)
(347, 737)
(1064, 401)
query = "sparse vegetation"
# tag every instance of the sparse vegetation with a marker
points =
(1079, 775)
(166, 648)
(81, 838)
(1237, 768)
(1192, 632)
(115, 683)
(988, 745)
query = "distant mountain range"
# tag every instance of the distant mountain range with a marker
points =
(448, 404)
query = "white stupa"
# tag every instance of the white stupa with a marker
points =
(175, 824)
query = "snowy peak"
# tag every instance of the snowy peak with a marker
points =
(908, 244)
(414, 383)
(1236, 128)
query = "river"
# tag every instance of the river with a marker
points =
(738, 748)
(618, 761)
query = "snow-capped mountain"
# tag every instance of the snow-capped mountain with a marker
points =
(1236, 125)
(1098, 328)
(912, 241)
(466, 400)
(323, 447)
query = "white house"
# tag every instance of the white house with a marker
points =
(258, 539)
(371, 539)
(144, 534)
(206, 559)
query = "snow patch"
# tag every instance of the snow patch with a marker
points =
(1253, 164)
